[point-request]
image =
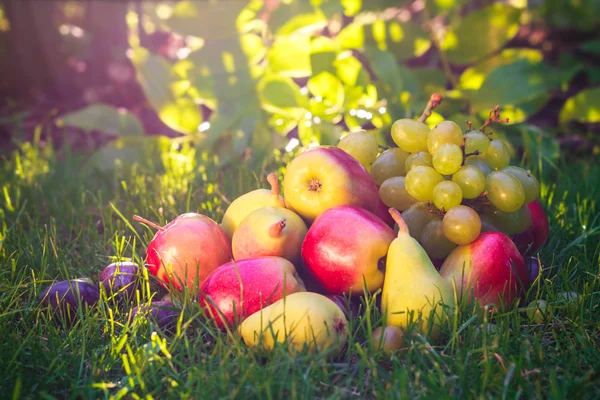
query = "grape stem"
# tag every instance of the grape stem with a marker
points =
(475, 153)
(433, 102)
(494, 116)
(469, 125)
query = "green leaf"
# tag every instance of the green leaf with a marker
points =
(297, 15)
(402, 39)
(583, 107)
(290, 56)
(323, 55)
(514, 84)
(539, 148)
(253, 47)
(183, 115)
(104, 118)
(127, 151)
(351, 71)
(482, 32)
(330, 89)
(212, 20)
(279, 94)
(386, 68)
(472, 78)
(431, 80)
(324, 133)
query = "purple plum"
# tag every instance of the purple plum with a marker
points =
(161, 312)
(120, 279)
(66, 296)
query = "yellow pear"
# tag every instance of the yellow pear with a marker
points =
(302, 319)
(244, 205)
(412, 287)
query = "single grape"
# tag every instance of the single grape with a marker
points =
(476, 141)
(447, 159)
(497, 154)
(504, 191)
(362, 146)
(529, 182)
(446, 195)
(471, 181)
(433, 241)
(416, 159)
(461, 225)
(389, 163)
(479, 163)
(538, 311)
(509, 223)
(416, 217)
(444, 132)
(410, 135)
(420, 182)
(393, 194)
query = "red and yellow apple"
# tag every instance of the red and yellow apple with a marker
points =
(325, 177)
(345, 248)
(238, 289)
(535, 236)
(490, 269)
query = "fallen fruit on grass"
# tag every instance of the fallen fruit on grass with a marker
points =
(325, 177)
(65, 297)
(245, 204)
(413, 289)
(120, 279)
(186, 250)
(269, 231)
(163, 313)
(345, 248)
(530, 241)
(240, 288)
(304, 320)
(569, 300)
(389, 338)
(538, 311)
(534, 268)
(490, 268)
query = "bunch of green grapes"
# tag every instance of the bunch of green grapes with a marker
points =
(450, 185)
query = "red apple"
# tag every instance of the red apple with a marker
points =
(535, 236)
(238, 289)
(491, 268)
(345, 248)
(186, 250)
(382, 212)
(325, 177)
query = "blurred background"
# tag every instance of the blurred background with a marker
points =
(246, 79)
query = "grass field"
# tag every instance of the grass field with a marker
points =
(60, 219)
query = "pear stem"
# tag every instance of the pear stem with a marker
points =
(274, 182)
(399, 220)
(276, 228)
(149, 223)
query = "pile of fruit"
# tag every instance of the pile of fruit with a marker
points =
(278, 270)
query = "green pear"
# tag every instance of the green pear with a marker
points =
(300, 319)
(412, 288)
(244, 205)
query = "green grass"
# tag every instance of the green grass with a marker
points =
(60, 219)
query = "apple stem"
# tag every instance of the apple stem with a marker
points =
(274, 182)
(399, 220)
(276, 228)
(149, 223)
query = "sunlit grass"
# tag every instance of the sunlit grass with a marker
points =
(61, 219)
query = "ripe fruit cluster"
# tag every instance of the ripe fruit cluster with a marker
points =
(451, 185)
(281, 269)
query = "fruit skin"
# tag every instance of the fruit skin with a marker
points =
(412, 284)
(410, 135)
(362, 146)
(325, 177)
(343, 249)
(65, 296)
(532, 240)
(269, 231)
(200, 246)
(389, 338)
(390, 163)
(302, 319)
(264, 280)
(161, 312)
(490, 268)
(120, 279)
(245, 204)
(382, 213)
